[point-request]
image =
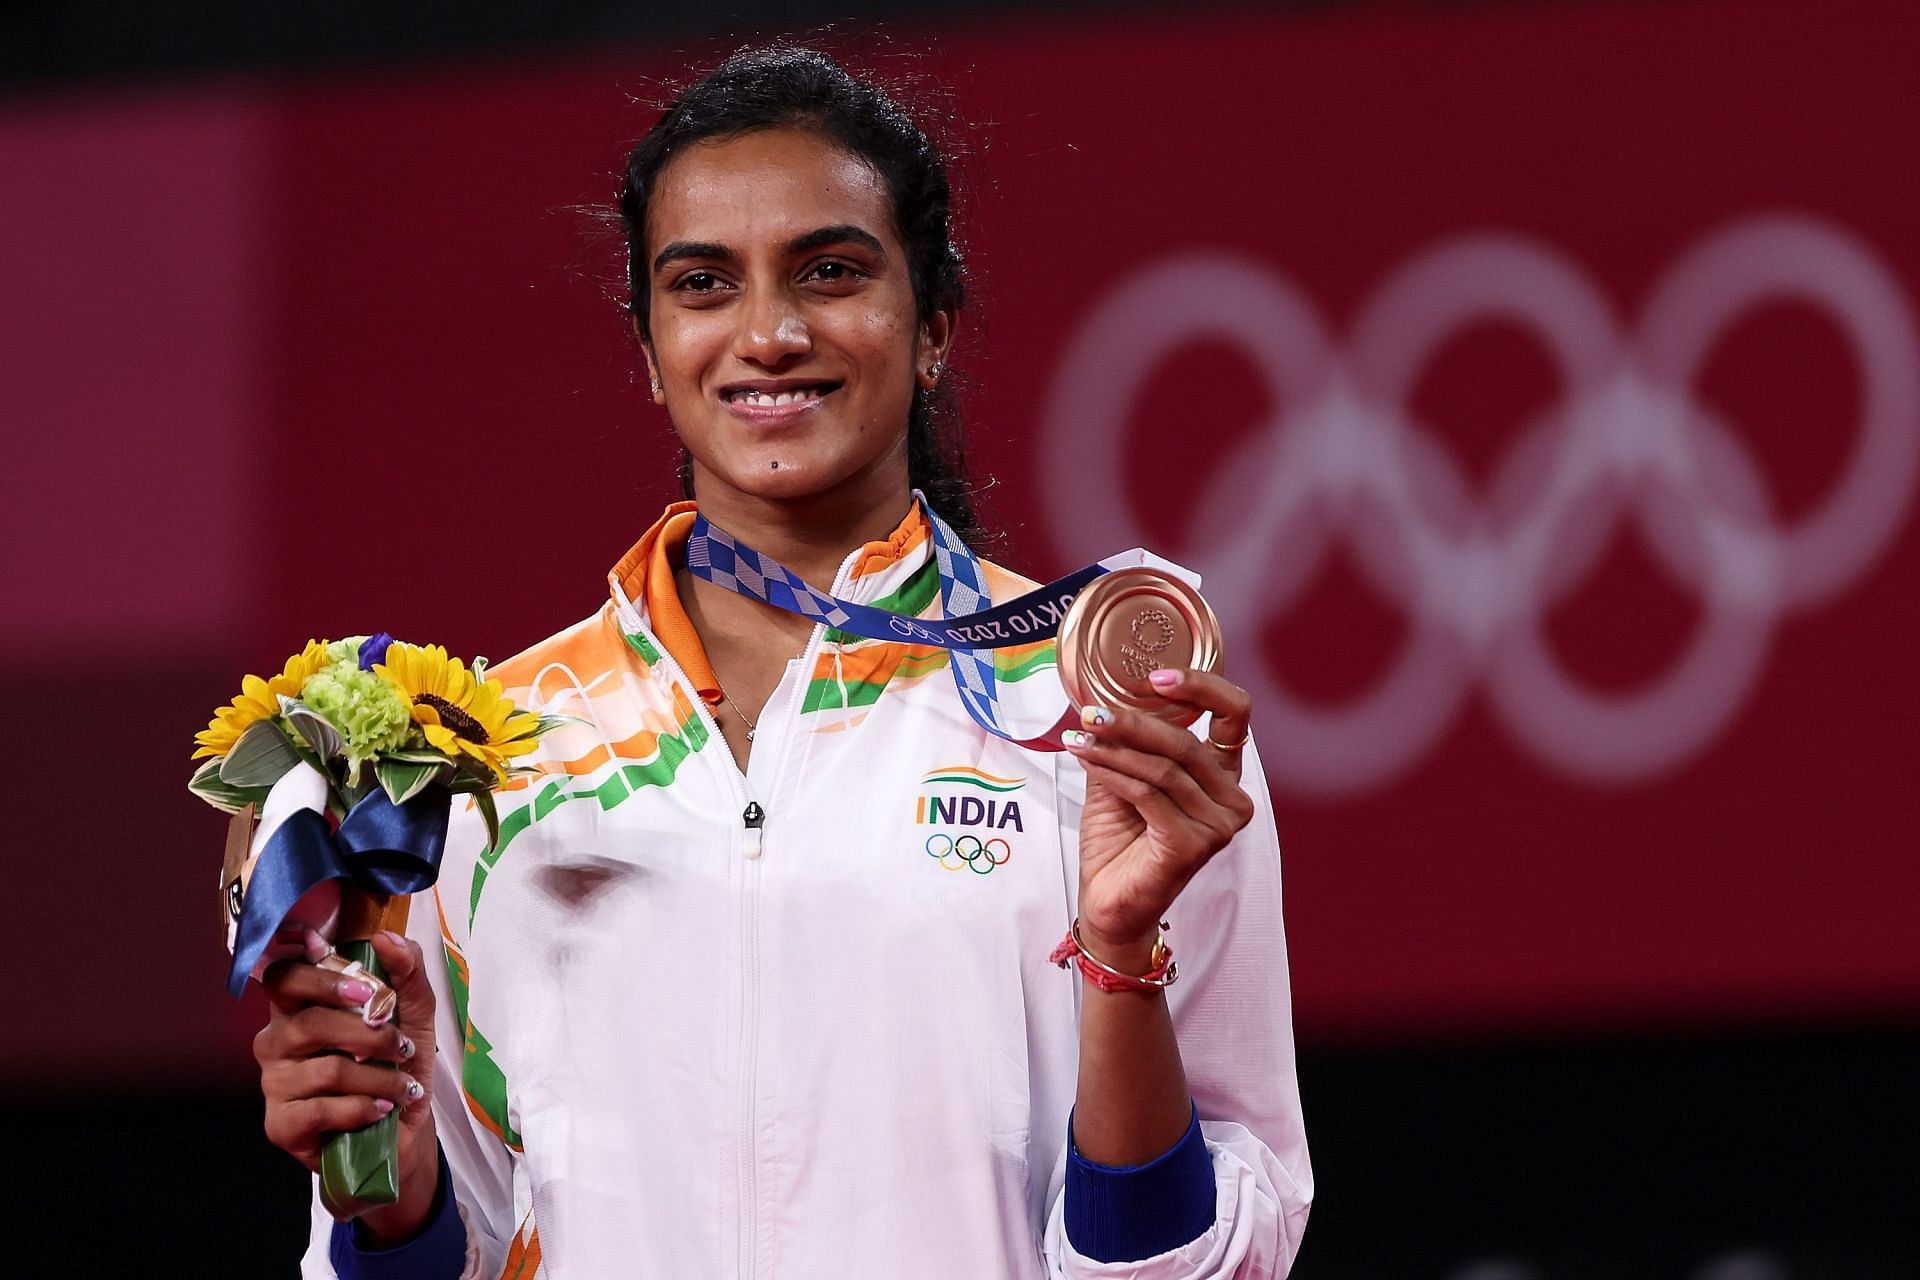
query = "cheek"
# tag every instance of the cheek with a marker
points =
(887, 349)
(681, 343)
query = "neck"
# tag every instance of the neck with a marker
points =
(812, 536)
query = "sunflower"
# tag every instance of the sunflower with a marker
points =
(458, 714)
(259, 700)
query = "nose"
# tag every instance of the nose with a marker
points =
(772, 330)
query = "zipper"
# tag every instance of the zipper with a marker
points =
(753, 821)
(753, 845)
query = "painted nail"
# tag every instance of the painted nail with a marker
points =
(383, 1105)
(406, 1048)
(317, 947)
(1076, 739)
(354, 991)
(1096, 717)
(394, 938)
(1165, 677)
(414, 1090)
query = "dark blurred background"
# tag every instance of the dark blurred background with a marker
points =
(1536, 382)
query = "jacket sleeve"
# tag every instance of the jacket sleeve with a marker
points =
(480, 1164)
(1233, 1013)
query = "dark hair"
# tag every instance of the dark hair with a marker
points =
(782, 85)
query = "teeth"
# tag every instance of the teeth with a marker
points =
(769, 400)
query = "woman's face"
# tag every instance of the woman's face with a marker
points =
(785, 344)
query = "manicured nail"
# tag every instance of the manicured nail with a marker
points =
(1165, 677)
(1095, 717)
(1076, 739)
(394, 938)
(406, 1048)
(354, 991)
(414, 1090)
(317, 947)
(383, 1105)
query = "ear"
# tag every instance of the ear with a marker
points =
(936, 340)
(653, 367)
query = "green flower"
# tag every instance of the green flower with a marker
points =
(370, 714)
(347, 650)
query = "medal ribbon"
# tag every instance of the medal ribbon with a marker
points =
(972, 629)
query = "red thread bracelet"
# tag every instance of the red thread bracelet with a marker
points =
(1104, 976)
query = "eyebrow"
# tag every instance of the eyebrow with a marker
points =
(840, 233)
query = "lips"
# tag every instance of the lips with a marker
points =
(770, 395)
(774, 403)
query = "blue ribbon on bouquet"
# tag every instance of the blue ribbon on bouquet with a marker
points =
(381, 847)
(972, 628)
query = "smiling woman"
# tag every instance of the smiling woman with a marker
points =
(836, 1056)
(781, 326)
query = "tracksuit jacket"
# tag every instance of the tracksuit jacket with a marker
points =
(801, 1022)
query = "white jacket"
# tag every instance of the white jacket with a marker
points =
(676, 1045)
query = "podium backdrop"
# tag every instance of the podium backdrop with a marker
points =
(1539, 392)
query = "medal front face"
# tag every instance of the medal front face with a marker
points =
(1127, 624)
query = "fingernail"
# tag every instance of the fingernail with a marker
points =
(406, 1048)
(414, 1090)
(1096, 717)
(1165, 677)
(355, 991)
(394, 938)
(383, 1105)
(318, 948)
(1076, 739)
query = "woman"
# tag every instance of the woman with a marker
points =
(756, 981)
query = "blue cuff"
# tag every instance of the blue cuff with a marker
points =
(439, 1250)
(1125, 1215)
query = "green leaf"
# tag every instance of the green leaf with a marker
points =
(491, 816)
(313, 727)
(422, 756)
(549, 723)
(207, 784)
(404, 779)
(261, 757)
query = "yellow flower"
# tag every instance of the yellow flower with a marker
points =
(458, 714)
(259, 700)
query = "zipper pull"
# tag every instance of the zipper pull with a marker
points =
(754, 818)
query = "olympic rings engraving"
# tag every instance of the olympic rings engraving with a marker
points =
(968, 852)
(1343, 459)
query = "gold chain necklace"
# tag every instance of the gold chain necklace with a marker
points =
(725, 697)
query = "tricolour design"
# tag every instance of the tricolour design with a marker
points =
(977, 814)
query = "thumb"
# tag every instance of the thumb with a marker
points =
(407, 973)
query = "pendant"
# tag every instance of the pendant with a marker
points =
(749, 735)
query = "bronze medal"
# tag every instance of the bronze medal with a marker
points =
(1126, 624)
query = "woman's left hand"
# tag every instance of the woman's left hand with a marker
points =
(1160, 803)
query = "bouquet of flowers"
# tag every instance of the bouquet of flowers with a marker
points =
(340, 773)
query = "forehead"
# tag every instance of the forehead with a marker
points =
(765, 188)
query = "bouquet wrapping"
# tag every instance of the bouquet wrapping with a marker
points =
(340, 774)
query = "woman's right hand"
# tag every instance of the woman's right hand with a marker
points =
(325, 1071)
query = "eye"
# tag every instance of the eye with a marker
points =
(832, 271)
(698, 282)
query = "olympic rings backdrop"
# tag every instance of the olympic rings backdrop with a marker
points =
(1538, 391)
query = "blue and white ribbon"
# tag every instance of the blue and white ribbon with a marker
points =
(381, 847)
(972, 628)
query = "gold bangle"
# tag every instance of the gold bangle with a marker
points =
(1165, 971)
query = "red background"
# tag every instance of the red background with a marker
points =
(347, 355)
